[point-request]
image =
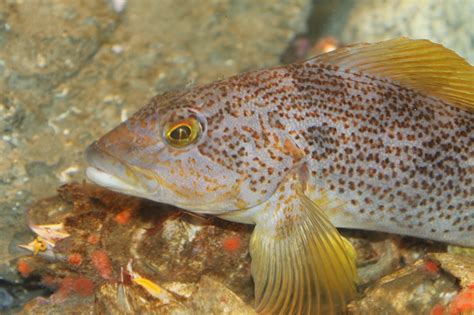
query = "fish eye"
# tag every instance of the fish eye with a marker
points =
(182, 133)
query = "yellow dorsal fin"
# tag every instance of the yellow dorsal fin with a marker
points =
(420, 64)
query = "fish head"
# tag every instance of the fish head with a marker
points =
(185, 148)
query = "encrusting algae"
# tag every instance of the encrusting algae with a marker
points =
(371, 136)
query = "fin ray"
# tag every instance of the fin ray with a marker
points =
(419, 64)
(300, 263)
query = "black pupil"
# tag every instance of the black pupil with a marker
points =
(181, 133)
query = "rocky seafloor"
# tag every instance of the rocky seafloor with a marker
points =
(69, 71)
(103, 252)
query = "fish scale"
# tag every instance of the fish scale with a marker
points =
(372, 136)
(398, 160)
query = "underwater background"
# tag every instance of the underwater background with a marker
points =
(72, 70)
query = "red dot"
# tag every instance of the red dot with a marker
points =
(75, 259)
(23, 268)
(431, 267)
(463, 303)
(438, 309)
(123, 217)
(93, 239)
(84, 286)
(231, 244)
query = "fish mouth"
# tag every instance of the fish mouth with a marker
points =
(110, 172)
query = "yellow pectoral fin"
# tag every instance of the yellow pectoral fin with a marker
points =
(300, 263)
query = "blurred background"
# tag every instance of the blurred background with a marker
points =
(71, 70)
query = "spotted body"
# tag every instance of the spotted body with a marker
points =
(388, 157)
(355, 138)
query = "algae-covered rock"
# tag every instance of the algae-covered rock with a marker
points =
(137, 256)
(439, 283)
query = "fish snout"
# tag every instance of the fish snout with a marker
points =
(96, 156)
(99, 158)
(107, 171)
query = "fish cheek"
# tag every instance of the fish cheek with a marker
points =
(199, 180)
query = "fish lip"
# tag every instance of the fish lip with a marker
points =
(104, 169)
(96, 156)
(107, 180)
(99, 158)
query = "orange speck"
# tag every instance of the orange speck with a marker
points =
(123, 217)
(101, 262)
(23, 268)
(326, 44)
(463, 303)
(93, 239)
(232, 243)
(438, 309)
(431, 267)
(75, 259)
(83, 286)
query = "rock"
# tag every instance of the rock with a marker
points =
(75, 305)
(44, 43)
(113, 298)
(212, 297)
(6, 299)
(377, 256)
(14, 295)
(199, 264)
(430, 285)
(415, 289)
(445, 22)
(105, 234)
(459, 266)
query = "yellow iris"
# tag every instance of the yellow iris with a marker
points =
(183, 133)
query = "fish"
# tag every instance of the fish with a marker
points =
(369, 136)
